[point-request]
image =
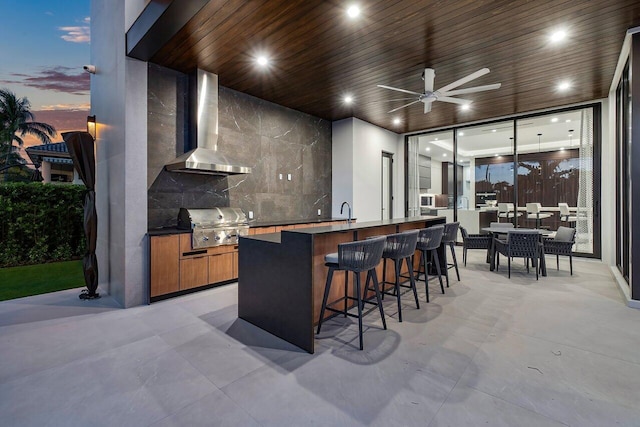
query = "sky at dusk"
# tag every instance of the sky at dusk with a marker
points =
(44, 46)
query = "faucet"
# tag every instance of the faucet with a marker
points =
(342, 207)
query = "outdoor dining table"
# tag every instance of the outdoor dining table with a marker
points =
(491, 260)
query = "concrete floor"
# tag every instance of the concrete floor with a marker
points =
(491, 351)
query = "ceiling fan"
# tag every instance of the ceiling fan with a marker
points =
(445, 93)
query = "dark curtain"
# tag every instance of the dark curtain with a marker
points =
(82, 151)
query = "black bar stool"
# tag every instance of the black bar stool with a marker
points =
(449, 237)
(399, 247)
(357, 257)
(429, 241)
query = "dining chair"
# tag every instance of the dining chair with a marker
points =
(519, 244)
(561, 244)
(474, 241)
(507, 210)
(565, 213)
(534, 211)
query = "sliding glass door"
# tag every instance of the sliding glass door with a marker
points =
(507, 170)
(485, 159)
(623, 174)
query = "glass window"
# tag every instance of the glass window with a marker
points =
(535, 171)
(485, 162)
(430, 173)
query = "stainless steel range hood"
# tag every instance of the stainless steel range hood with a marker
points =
(204, 157)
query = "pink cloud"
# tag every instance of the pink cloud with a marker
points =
(59, 79)
(77, 33)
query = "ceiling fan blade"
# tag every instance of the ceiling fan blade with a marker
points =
(464, 80)
(429, 77)
(396, 99)
(472, 89)
(454, 100)
(400, 90)
(405, 105)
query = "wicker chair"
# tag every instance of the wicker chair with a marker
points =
(399, 247)
(561, 244)
(473, 241)
(449, 238)
(357, 257)
(429, 241)
(519, 244)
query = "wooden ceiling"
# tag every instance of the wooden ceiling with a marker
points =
(318, 54)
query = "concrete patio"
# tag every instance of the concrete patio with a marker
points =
(564, 350)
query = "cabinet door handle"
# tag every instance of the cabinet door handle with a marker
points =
(203, 251)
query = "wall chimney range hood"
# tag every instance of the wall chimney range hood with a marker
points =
(204, 157)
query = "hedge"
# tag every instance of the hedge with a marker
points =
(40, 223)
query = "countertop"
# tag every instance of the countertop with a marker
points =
(255, 223)
(167, 230)
(252, 223)
(275, 237)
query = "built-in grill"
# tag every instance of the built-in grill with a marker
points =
(213, 227)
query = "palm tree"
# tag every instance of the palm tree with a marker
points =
(17, 121)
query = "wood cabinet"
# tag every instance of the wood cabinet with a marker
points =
(262, 230)
(194, 272)
(176, 266)
(223, 267)
(164, 271)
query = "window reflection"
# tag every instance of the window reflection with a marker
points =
(553, 158)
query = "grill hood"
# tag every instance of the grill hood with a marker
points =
(204, 157)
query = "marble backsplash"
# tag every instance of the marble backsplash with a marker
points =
(269, 138)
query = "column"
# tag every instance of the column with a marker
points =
(45, 169)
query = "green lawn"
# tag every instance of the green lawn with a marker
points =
(17, 282)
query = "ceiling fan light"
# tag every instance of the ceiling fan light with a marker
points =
(262, 60)
(353, 11)
(558, 36)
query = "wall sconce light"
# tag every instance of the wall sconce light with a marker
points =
(91, 126)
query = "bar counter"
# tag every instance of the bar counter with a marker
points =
(281, 276)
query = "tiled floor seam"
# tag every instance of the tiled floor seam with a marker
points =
(516, 404)
(212, 383)
(76, 360)
(458, 380)
(564, 345)
(492, 332)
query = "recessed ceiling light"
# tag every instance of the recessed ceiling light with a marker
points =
(353, 11)
(568, 121)
(465, 107)
(554, 120)
(444, 154)
(494, 130)
(435, 139)
(496, 155)
(428, 148)
(348, 99)
(262, 61)
(397, 121)
(558, 36)
(561, 148)
(562, 86)
(460, 133)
